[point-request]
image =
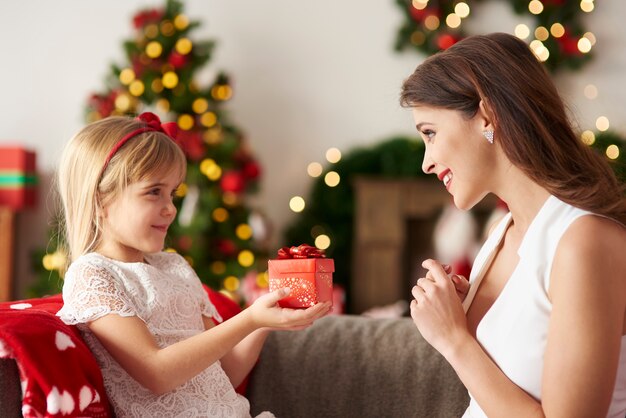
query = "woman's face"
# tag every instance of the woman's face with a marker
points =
(456, 152)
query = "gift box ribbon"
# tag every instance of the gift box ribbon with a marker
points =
(300, 252)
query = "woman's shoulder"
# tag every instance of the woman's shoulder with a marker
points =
(595, 231)
(594, 245)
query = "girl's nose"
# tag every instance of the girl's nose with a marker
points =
(169, 209)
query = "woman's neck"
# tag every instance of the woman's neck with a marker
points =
(523, 196)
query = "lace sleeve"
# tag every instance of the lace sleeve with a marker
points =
(207, 308)
(91, 291)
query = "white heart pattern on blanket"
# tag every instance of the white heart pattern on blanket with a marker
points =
(59, 402)
(86, 397)
(21, 306)
(63, 341)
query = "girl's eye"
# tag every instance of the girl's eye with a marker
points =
(154, 192)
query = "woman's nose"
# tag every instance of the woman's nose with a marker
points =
(427, 164)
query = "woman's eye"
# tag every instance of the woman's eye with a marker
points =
(428, 134)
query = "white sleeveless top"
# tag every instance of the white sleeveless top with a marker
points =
(515, 329)
(167, 295)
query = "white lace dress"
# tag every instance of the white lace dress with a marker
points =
(167, 295)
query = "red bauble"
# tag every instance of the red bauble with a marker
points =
(226, 247)
(445, 41)
(192, 144)
(145, 17)
(251, 169)
(233, 181)
(177, 60)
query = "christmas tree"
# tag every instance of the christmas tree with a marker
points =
(214, 227)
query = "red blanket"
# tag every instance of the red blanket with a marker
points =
(60, 377)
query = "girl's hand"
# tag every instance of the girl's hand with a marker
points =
(265, 312)
(436, 309)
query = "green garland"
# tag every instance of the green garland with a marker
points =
(557, 37)
(330, 210)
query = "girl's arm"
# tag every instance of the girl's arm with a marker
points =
(239, 361)
(161, 370)
(588, 293)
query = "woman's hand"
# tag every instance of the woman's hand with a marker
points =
(266, 312)
(436, 310)
(461, 283)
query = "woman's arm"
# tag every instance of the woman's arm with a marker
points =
(129, 341)
(588, 292)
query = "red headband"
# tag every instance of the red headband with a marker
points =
(153, 124)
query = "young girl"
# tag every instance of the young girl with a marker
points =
(542, 330)
(143, 312)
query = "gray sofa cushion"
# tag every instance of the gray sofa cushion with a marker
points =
(351, 366)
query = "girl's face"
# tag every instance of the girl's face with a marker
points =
(456, 152)
(136, 221)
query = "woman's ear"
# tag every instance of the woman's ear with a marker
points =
(486, 115)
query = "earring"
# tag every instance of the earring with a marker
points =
(489, 136)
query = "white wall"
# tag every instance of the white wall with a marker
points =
(307, 76)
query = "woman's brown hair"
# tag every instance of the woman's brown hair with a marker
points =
(529, 116)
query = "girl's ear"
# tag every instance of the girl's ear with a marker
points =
(487, 118)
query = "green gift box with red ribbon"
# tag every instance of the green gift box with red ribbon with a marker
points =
(306, 271)
(18, 179)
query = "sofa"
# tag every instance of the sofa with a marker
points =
(342, 366)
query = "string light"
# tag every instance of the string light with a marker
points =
(231, 283)
(127, 75)
(314, 169)
(208, 119)
(183, 46)
(154, 49)
(431, 22)
(590, 91)
(322, 242)
(167, 28)
(612, 151)
(542, 33)
(462, 9)
(588, 137)
(332, 179)
(218, 267)
(185, 122)
(535, 7)
(181, 190)
(522, 31)
(243, 232)
(170, 80)
(333, 155)
(584, 45)
(557, 30)
(297, 204)
(157, 86)
(220, 215)
(181, 22)
(587, 6)
(245, 258)
(200, 105)
(419, 4)
(136, 88)
(602, 123)
(453, 20)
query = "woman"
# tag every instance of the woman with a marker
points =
(542, 330)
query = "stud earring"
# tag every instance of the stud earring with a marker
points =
(489, 136)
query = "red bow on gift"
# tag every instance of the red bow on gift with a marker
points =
(301, 251)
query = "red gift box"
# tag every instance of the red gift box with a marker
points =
(310, 279)
(17, 178)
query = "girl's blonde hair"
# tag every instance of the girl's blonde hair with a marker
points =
(83, 187)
